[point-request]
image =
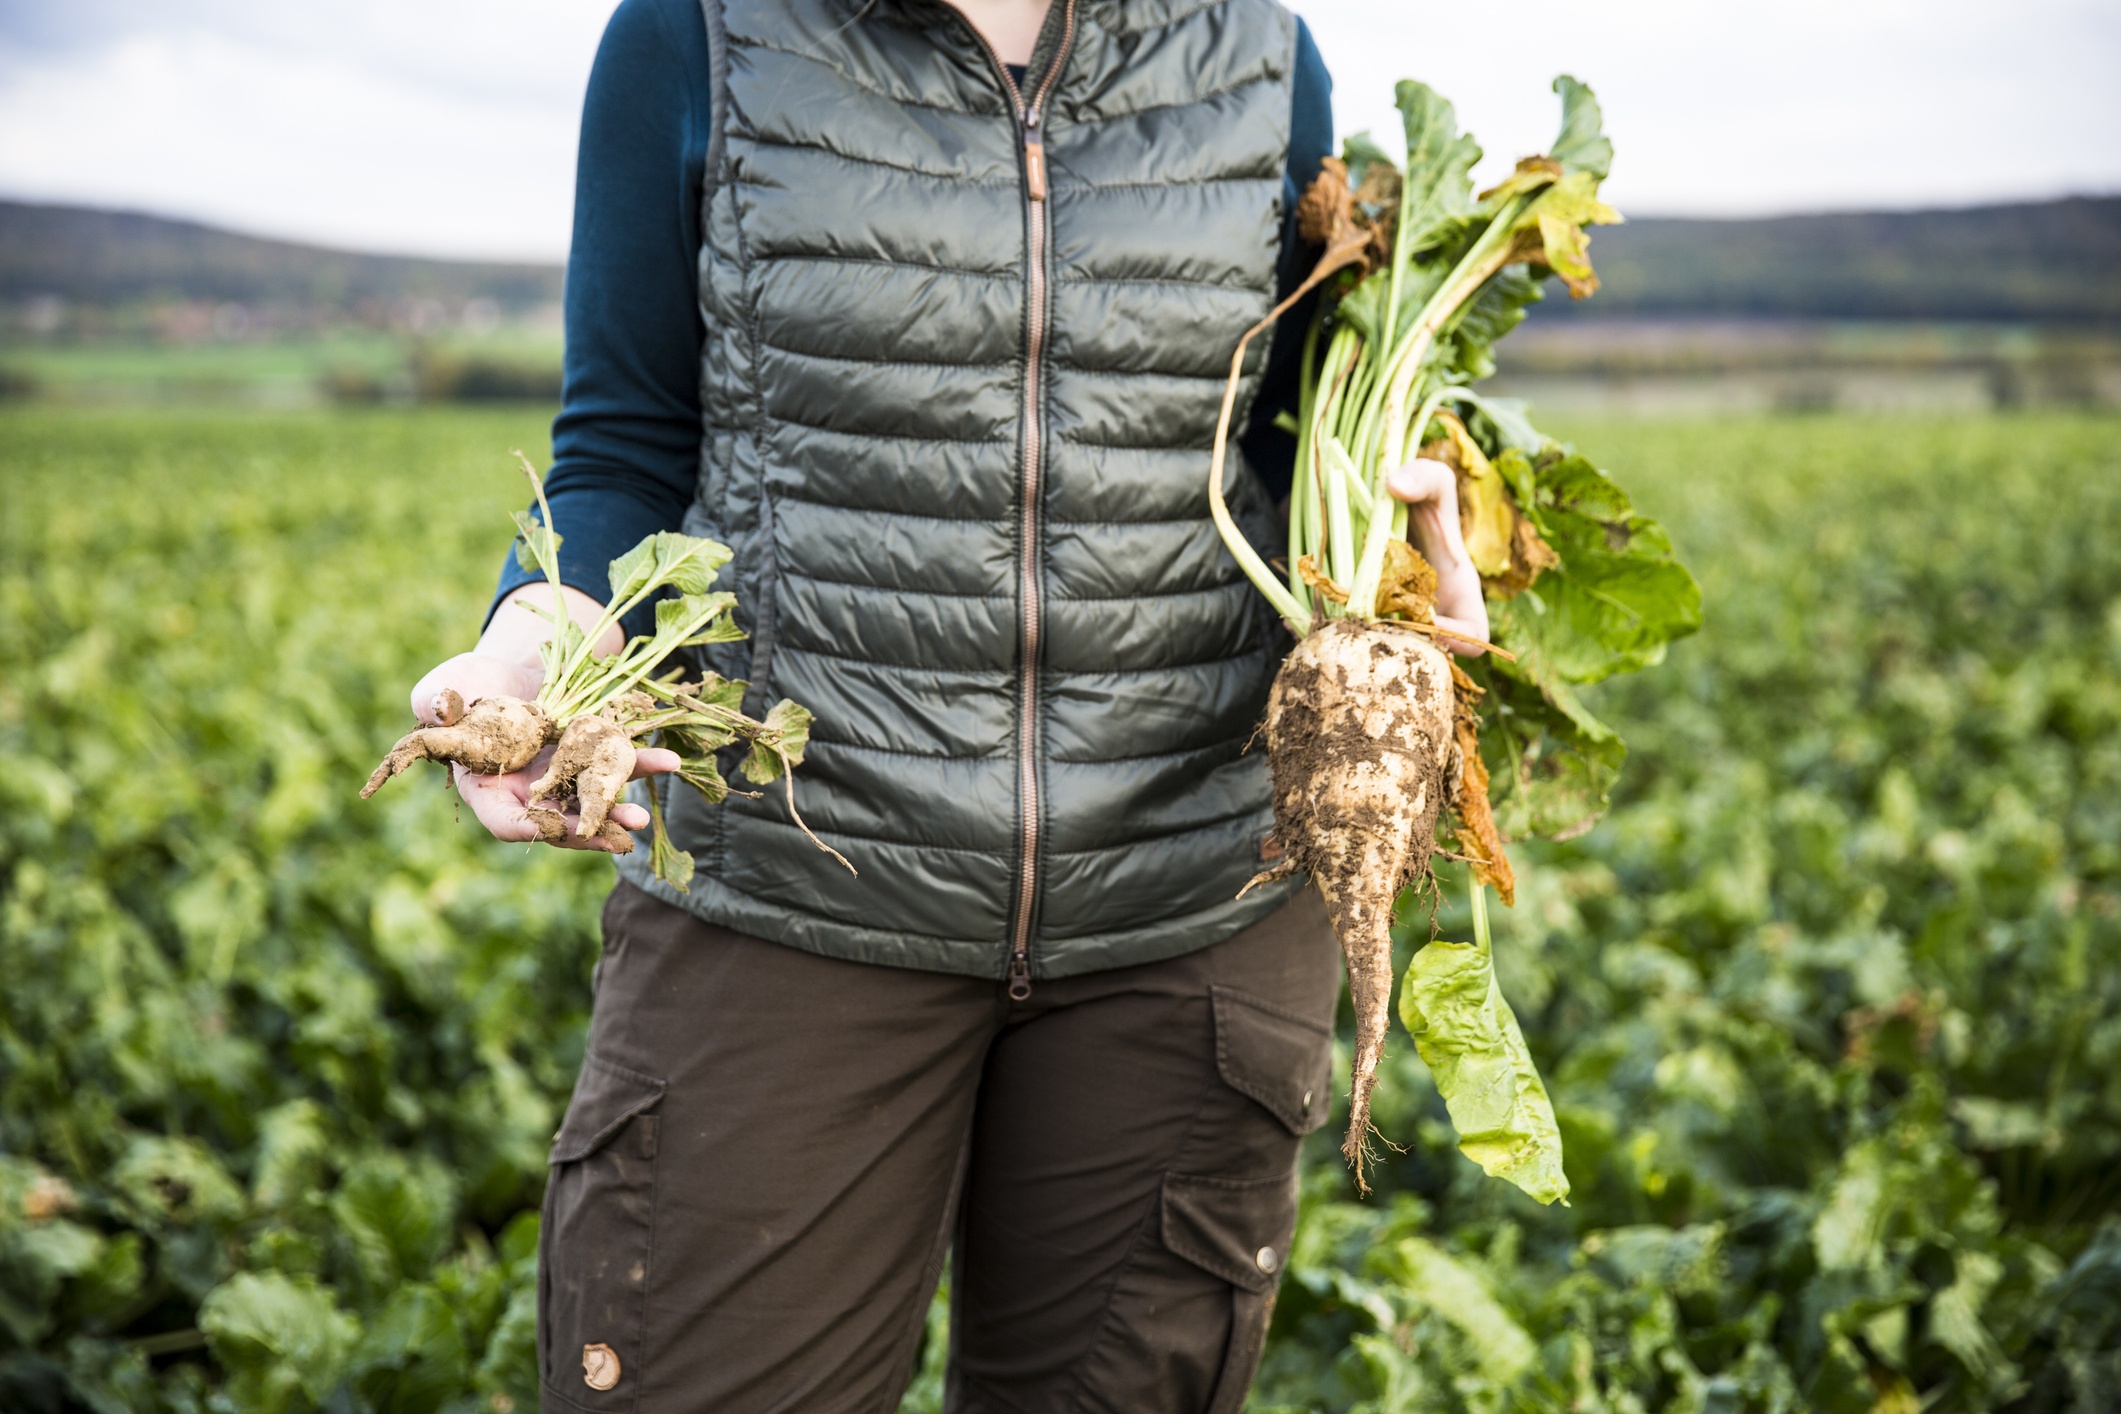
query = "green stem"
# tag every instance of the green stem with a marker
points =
(1340, 521)
(586, 649)
(1387, 517)
(659, 840)
(1343, 357)
(1488, 254)
(1255, 569)
(1481, 937)
(552, 567)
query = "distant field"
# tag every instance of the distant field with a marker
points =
(1828, 1005)
(1695, 366)
(349, 365)
(1635, 367)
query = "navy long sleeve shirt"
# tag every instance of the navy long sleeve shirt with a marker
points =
(625, 447)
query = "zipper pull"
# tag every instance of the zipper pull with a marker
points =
(1034, 156)
(1019, 978)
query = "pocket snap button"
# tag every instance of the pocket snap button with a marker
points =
(600, 1366)
(1268, 1260)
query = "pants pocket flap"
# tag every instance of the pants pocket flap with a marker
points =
(1233, 1229)
(605, 1097)
(1281, 1059)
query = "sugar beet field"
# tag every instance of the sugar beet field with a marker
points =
(1830, 1004)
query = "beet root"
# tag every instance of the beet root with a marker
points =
(495, 735)
(552, 829)
(591, 763)
(1359, 740)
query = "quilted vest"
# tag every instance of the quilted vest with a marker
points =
(965, 346)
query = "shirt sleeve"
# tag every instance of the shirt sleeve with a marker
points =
(1271, 451)
(625, 447)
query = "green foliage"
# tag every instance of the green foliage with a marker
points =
(1617, 597)
(1830, 1006)
(1827, 1007)
(278, 1067)
(578, 682)
(1474, 1048)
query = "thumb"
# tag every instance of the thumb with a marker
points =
(455, 683)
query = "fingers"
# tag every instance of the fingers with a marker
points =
(1468, 647)
(562, 829)
(1423, 480)
(501, 804)
(653, 761)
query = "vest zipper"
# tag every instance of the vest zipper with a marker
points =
(1030, 118)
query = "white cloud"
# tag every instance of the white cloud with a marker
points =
(444, 127)
(449, 125)
(1749, 109)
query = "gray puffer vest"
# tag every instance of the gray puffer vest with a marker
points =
(965, 348)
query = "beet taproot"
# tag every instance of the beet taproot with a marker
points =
(494, 736)
(1359, 744)
(592, 763)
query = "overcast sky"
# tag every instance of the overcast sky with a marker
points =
(447, 126)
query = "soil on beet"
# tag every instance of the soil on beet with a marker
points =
(495, 735)
(1359, 740)
(591, 764)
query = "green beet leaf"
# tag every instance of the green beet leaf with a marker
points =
(284, 1340)
(672, 865)
(1469, 1039)
(691, 614)
(780, 744)
(701, 773)
(1436, 189)
(1551, 764)
(686, 563)
(1582, 145)
(1619, 595)
(537, 548)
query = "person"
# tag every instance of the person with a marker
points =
(924, 310)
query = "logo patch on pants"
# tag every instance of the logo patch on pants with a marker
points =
(600, 1366)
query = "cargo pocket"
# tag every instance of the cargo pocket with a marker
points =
(1189, 1308)
(596, 1240)
(1239, 1232)
(1279, 1058)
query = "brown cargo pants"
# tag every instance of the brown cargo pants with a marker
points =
(769, 1153)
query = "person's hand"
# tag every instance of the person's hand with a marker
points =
(471, 676)
(1430, 489)
(505, 664)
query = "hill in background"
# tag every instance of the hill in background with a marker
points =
(2051, 262)
(2037, 263)
(112, 258)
